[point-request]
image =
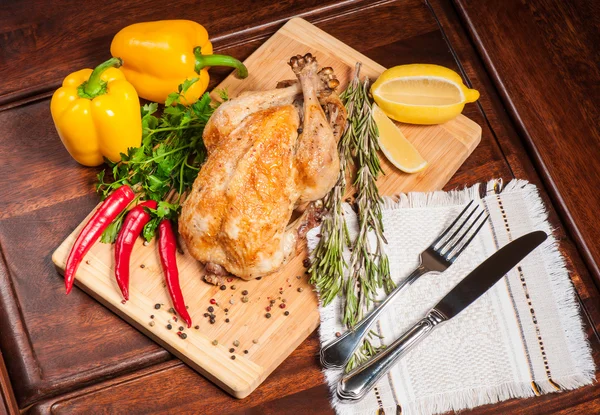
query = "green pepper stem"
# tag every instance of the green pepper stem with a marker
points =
(94, 85)
(202, 61)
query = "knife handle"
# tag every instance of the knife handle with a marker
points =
(338, 351)
(355, 384)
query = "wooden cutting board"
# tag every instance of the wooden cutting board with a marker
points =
(263, 342)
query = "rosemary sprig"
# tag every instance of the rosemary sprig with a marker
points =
(366, 351)
(368, 269)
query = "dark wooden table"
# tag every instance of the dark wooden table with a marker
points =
(535, 63)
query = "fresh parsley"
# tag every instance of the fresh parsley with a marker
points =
(165, 166)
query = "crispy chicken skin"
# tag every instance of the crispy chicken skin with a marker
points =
(263, 162)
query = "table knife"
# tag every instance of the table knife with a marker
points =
(355, 384)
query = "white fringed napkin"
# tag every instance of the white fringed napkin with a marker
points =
(522, 338)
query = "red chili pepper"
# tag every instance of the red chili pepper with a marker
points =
(131, 229)
(106, 213)
(167, 249)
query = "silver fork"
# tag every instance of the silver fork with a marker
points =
(436, 258)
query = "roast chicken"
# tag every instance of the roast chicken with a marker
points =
(269, 153)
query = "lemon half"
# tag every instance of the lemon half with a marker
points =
(398, 150)
(422, 93)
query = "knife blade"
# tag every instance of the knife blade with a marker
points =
(355, 384)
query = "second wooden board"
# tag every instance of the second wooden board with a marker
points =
(259, 343)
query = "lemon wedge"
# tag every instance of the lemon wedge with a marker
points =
(421, 93)
(398, 150)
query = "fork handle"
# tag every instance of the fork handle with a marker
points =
(337, 352)
(356, 384)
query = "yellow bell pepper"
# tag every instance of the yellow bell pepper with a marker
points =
(97, 114)
(160, 55)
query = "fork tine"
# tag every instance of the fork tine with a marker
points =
(451, 225)
(456, 243)
(441, 248)
(462, 248)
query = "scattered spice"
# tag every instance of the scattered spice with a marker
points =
(282, 305)
(183, 336)
(300, 289)
(211, 309)
(268, 308)
(169, 327)
(180, 328)
(215, 342)
(227, 310)
(142, 266)
(223, 287)
(213, 301)
(245, 351)
(226, 320)
(272, 301)
(152, 316)
(236, 343)
(268, 315)
(211, 321)
(287, 313)
(196, 327)
(306, 263)
(233, 287)
(244, 299)
(232, 357)
(245, 292)
(157, 306)
(151, 324)
(231, 350)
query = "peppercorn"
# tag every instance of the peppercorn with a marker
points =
(180, 328)
(211, 321)
(232, 357)
(223, 287)
(172, 310)
(213, 301)
(205, 314)
(338, 334)
(151, 324)
(306, 263)
(152, 316)
(298, 277)
(215, 342)
(268, 315)
(231, 350)
(281, 305)
(196, 327)
(227, 310)
(211, 309)
(236, 343)
(245, 292)
(268, 308)
(245, 299)
(233, 287)
(142, 266)
(287, 313)
(272, 301)
(226, 320)
(169, 327)
(245, 351)
(300, 289)
(156, 306)
(258, 278)
(183, 336)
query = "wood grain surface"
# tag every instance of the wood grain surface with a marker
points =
(445, 147)
(556, 105)
(74, 356)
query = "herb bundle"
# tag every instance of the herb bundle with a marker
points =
(368, 269)
(165, 166)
